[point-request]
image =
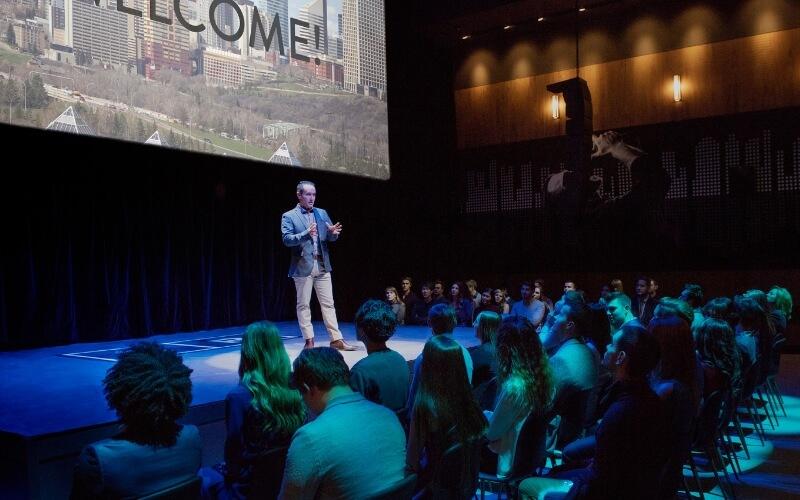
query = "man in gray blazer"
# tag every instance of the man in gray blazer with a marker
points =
(306, 231)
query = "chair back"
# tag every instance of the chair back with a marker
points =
(265, 481)
(530, 452)
(186, 490)
(456, 474)
(401, 490)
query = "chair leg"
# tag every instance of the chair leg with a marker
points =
(738, 425)
(766, 407)
(693, 466)
(773, 382)
(773, 402)
(727, 442)
(717, 463)
(756, 423)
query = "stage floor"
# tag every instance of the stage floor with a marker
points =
(57, 389)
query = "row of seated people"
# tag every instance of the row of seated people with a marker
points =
(345, 428)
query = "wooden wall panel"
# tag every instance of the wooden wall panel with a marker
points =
(745, 74)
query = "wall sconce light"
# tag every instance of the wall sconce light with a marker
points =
(554, 105)
(676, 88)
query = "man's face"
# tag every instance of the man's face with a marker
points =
(406, 285)
(486, 298)
(438, 290)
(307, 196)
(616, 313)
(314, 399)
(426, 292)
(641, 288)
(569, 286)
(525, 292)
(604, 291)
(557, 328)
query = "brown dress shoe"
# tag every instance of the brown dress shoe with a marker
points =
(309, 344)
(343, 346)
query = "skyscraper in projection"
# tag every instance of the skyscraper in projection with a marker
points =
(364, 47)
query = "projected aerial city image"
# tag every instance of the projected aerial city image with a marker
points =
(291, 82)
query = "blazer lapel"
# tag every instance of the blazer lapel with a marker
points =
(301, 216)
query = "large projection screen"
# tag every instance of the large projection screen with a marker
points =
(290, 82)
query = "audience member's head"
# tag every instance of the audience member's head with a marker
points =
(316, 373)
(486, 324)
(632, 354)
(641, 287)
(569, 286)
(150, 389)
(539, 282)
(499, 297)
(438, 289)
(721, 308)
(486, 297)
(652, 287)
(520, 356)
(692, 294)
(457, 291)
(442, 319)
(667, 307)
(760, 297)
(264, 368)
(598, 331)
(392, 296)
(605, 289)
(444, 401)
(779, 298)
(678, 361)
(375, 322)
(716, 346)
(472, 287)
(526, 291)
(618, 307)
(616, 285)
(568, 320)
(427, 290)
(406, 284)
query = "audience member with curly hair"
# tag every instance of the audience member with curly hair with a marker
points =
(150, 389)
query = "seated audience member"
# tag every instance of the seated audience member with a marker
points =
(438, 293)
(472, 293)
(486, 304)
(693, 295)
(526, 387)
(569, 286)
(353, 448)
(419, 314)
(397, 305)
(529, 307)
(461, 304)
(619, 311)
(599, 332)
(675, 381)
(616, 285)
(780, 302)
(150, 389)
(261, 413)
(775, 319)
(605, 289)
(381, 377)
(575, 367)
(442, 320)
(668, 307)
(444, 411)
(754, 333)
(716, 347)
(484, 360)
(630, 443)
(407, 294)
(499, 297)
(539, 283)
(643, 303)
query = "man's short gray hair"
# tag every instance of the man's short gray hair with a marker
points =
(301, 183)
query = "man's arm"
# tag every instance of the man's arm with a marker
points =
(290, 238)
(301, 475)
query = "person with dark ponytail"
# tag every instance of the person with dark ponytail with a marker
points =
(716, 347)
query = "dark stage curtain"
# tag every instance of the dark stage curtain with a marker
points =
(91, 253)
